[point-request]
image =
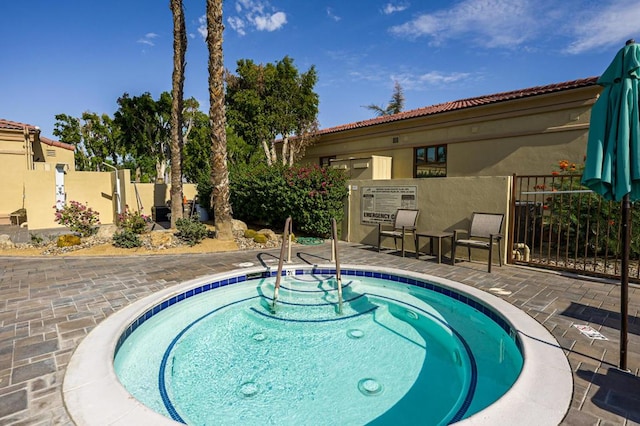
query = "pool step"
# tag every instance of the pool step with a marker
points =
(312, 301)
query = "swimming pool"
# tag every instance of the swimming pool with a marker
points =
(401, 340)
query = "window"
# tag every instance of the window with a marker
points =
(326, 161)
(430, 161)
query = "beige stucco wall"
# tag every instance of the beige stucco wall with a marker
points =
(48, 154)
(445, 204)
(156, 194)
(523, 136)
(17, 152)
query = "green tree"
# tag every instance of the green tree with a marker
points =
(145, 127)
(219, 170)
(395, 105)
(267, 101)
(96, 138)
(177, 94)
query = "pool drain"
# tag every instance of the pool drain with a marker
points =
(259, 337)
(248, 389)
(412, 314)
(355, 333)
(369, 387)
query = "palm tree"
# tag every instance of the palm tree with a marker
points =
(219, 171)
(177, 92)
(396, 104)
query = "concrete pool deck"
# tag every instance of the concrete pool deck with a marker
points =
(49, 304)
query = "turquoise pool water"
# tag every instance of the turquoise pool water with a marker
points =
(397, 353)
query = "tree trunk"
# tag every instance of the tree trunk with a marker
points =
(267, 153)
(177, 93)
(285, 150)
(219, 171)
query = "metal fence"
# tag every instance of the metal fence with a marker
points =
(556, 223)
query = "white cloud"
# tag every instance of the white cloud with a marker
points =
(260, 15)
(390, 8)
(528, 24)
(431, 79)
(236, 24)
(609, 26)
(202, 26)
(270, 22)
(148, 39)
(491, 23)
(332, 15)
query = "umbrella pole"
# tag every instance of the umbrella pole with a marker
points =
(624, 282)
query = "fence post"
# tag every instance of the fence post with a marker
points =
(511, 216)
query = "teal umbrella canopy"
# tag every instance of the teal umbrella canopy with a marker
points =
(612, 166)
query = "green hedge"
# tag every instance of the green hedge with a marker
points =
(311, 195)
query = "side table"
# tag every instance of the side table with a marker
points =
(439, 235)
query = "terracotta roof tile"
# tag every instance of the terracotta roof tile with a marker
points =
(59, 144)
(14, 125)
(465, 103)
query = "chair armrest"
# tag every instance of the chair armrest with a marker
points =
(459, 231)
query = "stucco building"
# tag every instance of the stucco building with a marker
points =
(523, 131)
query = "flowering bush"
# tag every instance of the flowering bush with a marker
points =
(79, 218)
(134, 222)
(581, 218)
(311, 195)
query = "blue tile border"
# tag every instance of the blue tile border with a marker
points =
(480, 307)
(244, 277)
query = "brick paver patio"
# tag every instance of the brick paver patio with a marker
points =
(48, 305)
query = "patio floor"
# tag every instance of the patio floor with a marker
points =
(49, 304)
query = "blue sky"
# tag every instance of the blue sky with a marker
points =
(72, 56)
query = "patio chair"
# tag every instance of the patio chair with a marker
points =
(404, 224)
(483, 233)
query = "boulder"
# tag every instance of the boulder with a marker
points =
(268, 233)
(5, 242)
(105, 232)
(238, 225)
(161, 238)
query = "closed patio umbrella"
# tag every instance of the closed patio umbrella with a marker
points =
(612, 167)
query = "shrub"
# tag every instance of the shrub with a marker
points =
(190, 231)
(250, 233)
(126, 239)
(260, 238)
(79, 218)
(36, 239)
(135, 222)
(68, 240)
(583, 219)
(311, 195)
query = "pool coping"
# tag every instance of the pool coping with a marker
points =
(93, 394)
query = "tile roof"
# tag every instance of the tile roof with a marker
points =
(14, 125)
(465, 103)
(59, 144)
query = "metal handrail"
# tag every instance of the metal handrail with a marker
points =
(286, 241)
(334, 254)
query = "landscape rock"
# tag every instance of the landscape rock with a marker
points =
(105, 232)
(238, 225)
(5, 242)
(268, 233)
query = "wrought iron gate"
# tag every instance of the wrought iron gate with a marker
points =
(556, 223)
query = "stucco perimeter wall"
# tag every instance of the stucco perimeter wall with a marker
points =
(155, 194)
(95, 189)
(445, 204)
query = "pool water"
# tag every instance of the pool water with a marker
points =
(396, 354)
